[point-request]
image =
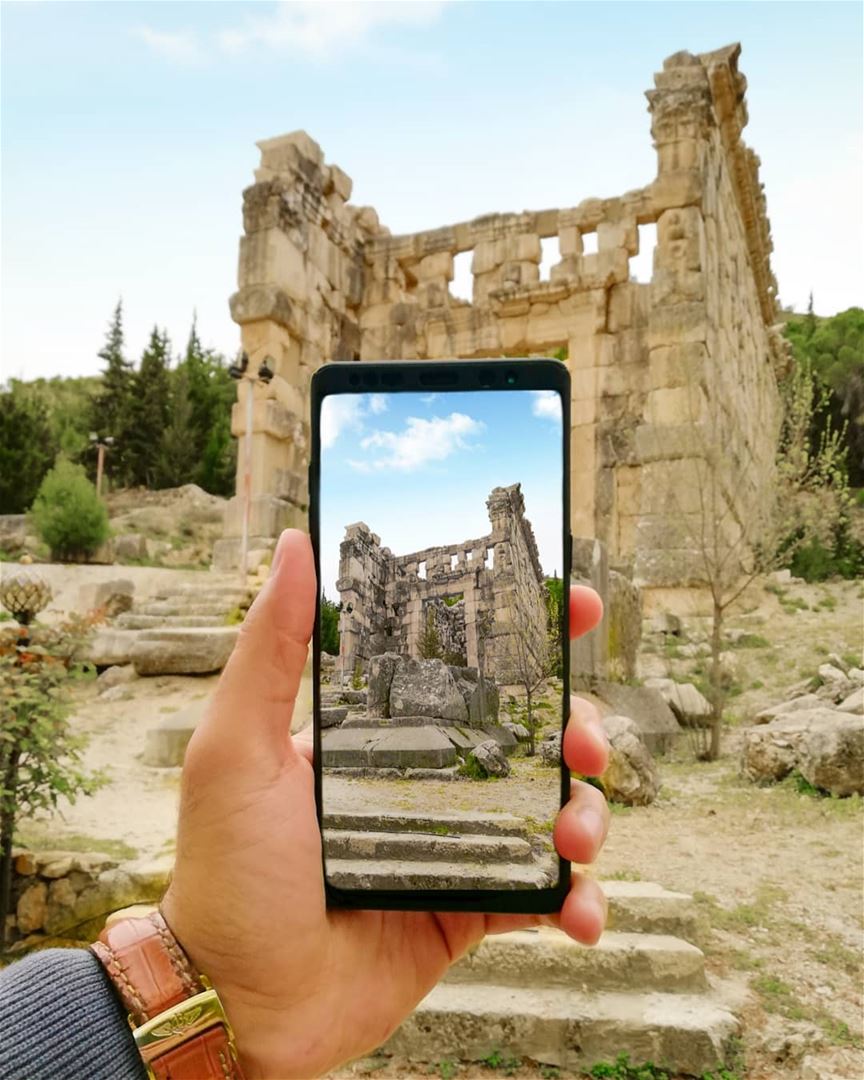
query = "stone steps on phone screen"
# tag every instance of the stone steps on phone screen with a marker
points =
(620, 961)
(465, 822)
(570, 1028)
(426, 874)
(426, 846)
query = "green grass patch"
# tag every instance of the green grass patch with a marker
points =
(751, 641)
(37, 839)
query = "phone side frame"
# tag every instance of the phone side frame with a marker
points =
(539, 374)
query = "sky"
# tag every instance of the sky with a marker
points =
(129, 131)
(418, 468)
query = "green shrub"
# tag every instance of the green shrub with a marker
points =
(68, 514)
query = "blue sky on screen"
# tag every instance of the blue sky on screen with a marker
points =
(418, 468)
(129, 133)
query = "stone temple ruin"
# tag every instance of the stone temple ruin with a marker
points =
(320, 279)
(485, 598)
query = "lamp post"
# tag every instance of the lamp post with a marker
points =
(241, 373)
(101, 444)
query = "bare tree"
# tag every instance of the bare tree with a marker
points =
(529, 655)
(729, 547)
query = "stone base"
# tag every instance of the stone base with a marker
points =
(166, 744)
(409, 742)
(195, 651)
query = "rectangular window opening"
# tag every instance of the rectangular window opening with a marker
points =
(642, 265)
(550, 249)
(462, 285)
(589, 243)
(421, 570)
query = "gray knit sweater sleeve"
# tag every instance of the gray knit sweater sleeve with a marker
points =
(60, 1019)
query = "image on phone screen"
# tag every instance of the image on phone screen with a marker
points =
(441, 563)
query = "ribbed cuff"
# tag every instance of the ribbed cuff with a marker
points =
(60, 1019)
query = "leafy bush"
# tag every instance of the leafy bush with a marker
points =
(68, 514)
(330, 626)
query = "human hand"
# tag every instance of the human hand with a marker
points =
(307, 988)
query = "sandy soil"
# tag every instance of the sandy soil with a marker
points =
(778, 872)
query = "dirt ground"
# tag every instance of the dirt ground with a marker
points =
(778, 872)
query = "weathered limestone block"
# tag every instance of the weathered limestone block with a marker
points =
(489, 757)
(825, 745)
(691, 708)
(632, 776)
(31, 908)
(193, 651)
(426, 688)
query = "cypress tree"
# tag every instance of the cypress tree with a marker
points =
(112, 406)
(149, 411)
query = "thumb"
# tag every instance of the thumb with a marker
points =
(250, 712)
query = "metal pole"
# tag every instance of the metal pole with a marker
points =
(247, 480)
(100, 464)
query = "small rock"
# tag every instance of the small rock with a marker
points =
(854, 703)
(31, 907)
(116, 675)
(838, 662)
(690, 707)
(856, 674)
(58, 868)
(519, 730)
(664, 623)
(25, 864)
(632, 777)
(550, 750)
(828, 673)
(807, 701)
(782, 577)
(491, 758)
(333, 716)
(694, 649)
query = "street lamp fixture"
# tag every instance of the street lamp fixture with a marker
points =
(24, 593)
(101, 444)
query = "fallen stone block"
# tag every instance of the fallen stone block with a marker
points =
(190, 651)
(110, 648)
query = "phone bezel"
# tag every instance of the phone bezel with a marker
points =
(398, 376)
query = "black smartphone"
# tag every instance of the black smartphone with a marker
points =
(439, 514)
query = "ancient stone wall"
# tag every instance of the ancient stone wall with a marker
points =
(497, 582)
(655, 366)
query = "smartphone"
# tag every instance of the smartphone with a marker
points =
(439, 514)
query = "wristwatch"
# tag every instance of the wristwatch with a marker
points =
(177, 1019)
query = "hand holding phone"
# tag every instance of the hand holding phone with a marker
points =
(439, 510)
(247, 899)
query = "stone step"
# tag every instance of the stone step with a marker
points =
(232, 595)
(412, 874)
(181, 607)
(132, 621)
(453, 824)
(648, 908)
(619, 961)
(426, 847)
(686, 1033)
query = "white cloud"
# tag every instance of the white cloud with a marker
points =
(182, 47)
(378, 404)
(338, 412)
(322, 29)
(547, 405)
(428, 399)
(421, 442)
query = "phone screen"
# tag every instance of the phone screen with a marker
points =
(441, 564)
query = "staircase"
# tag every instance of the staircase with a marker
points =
(537, 994)
(435, 851)
(218, 601)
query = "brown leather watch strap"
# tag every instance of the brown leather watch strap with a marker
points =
(154, 977)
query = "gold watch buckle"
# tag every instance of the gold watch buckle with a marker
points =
(182, 1022)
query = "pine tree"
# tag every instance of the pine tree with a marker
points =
(176, 460)
(112, 405)
(149, 412)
